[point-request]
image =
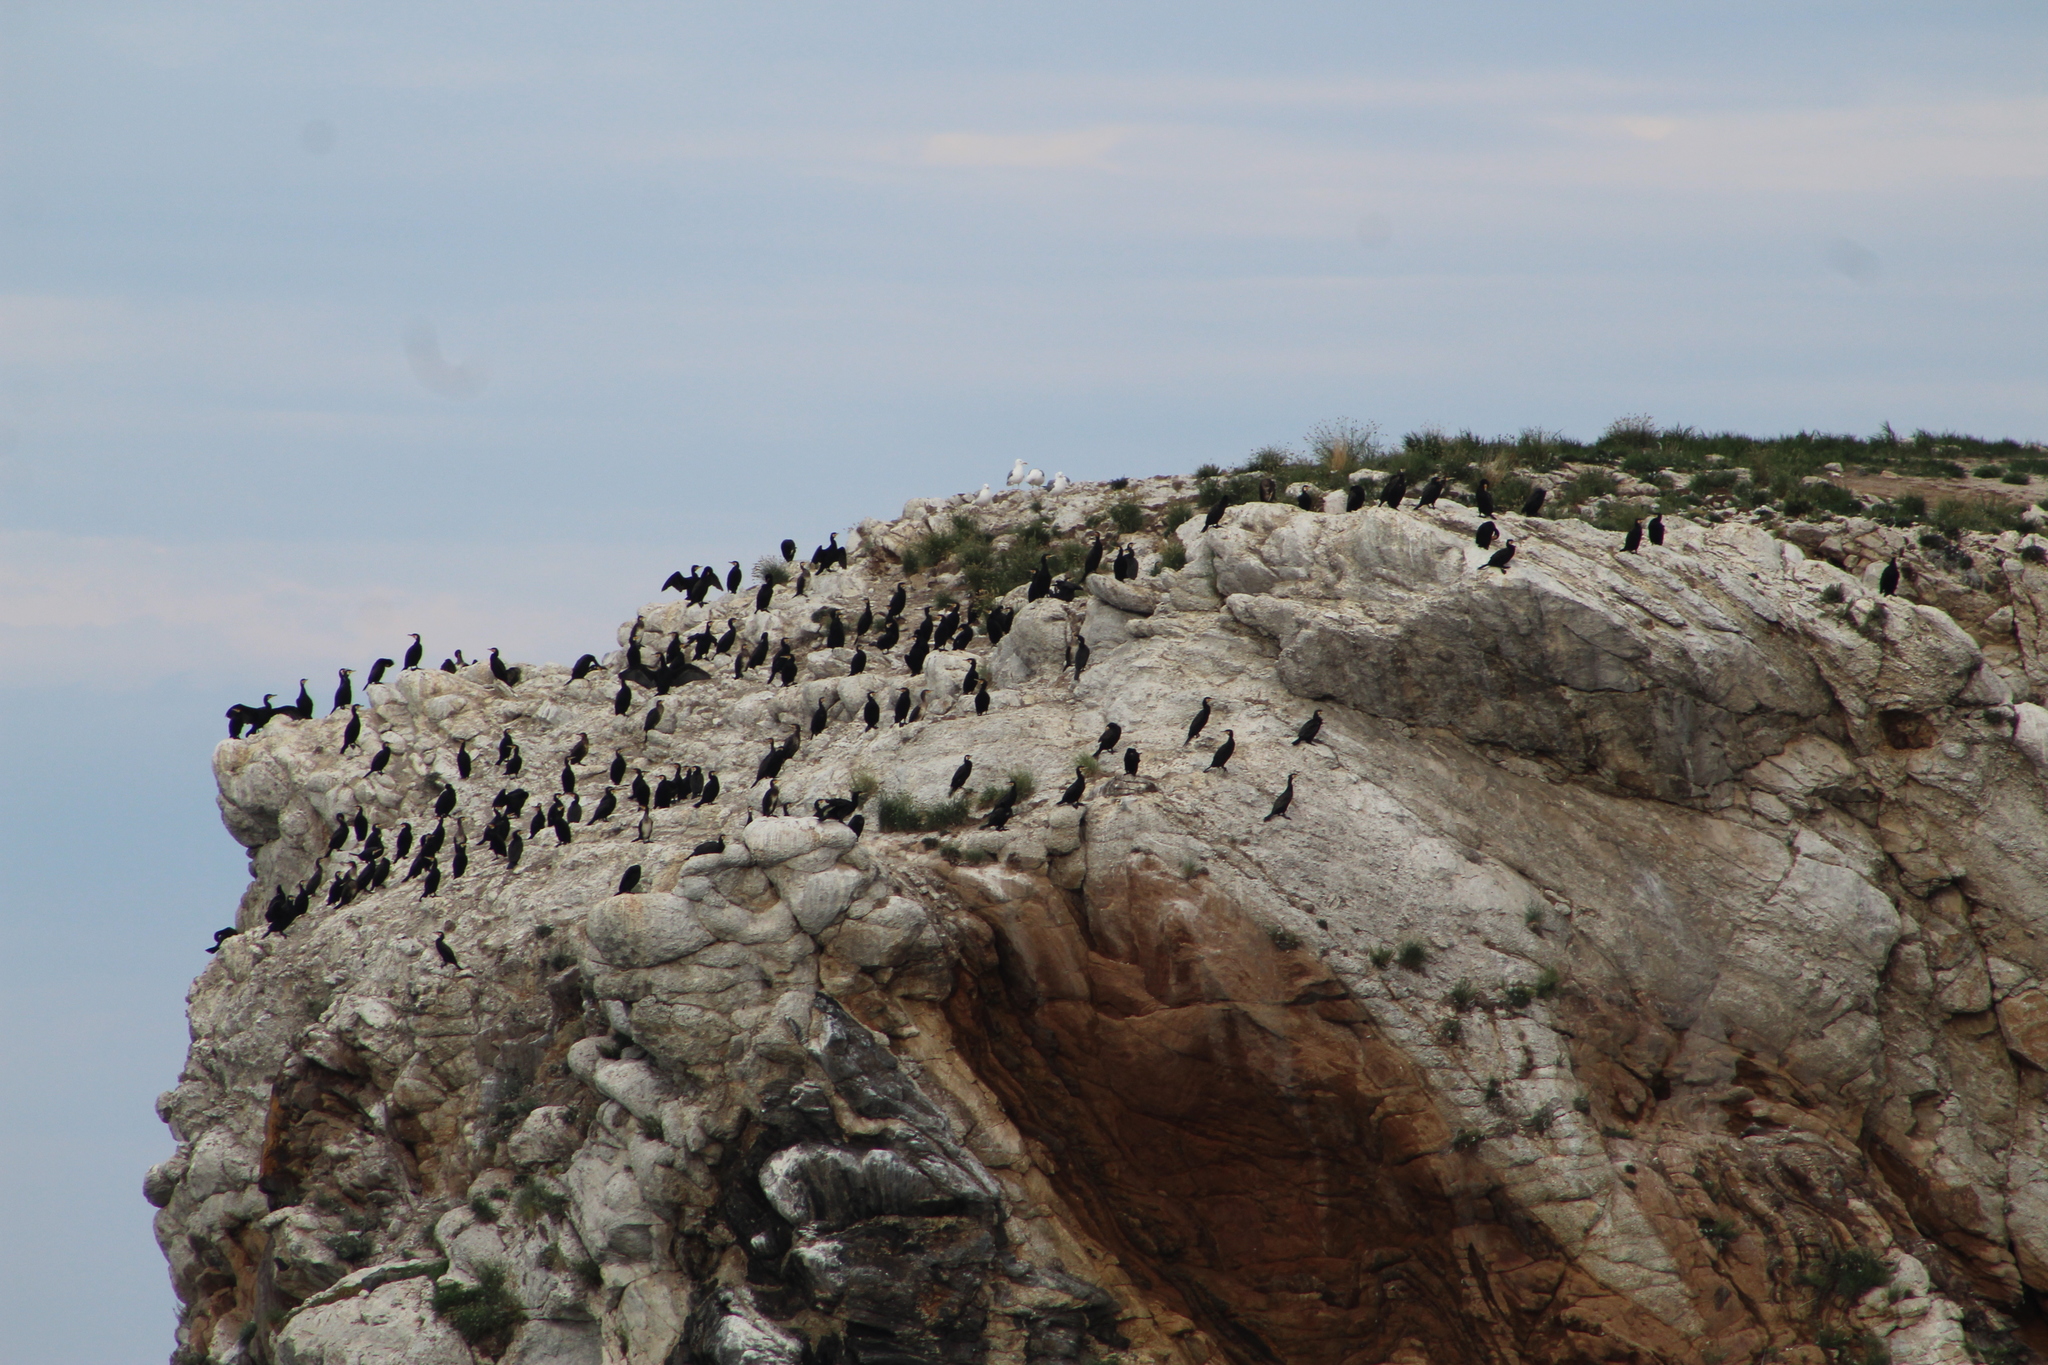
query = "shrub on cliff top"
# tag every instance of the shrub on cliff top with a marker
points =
(484, 1314)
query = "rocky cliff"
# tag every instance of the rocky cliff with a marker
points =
(1650, 967)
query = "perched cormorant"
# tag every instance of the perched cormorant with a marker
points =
(515, 764)
(629, 879)
(1094, 559)
(709, 846)
(353, 731)
(867, 617)
(858, 664)
(447, 953)
(343, 692)
(513, 851)
(402, 845)
(1354, 495)
(1482, 498)
(1282, 801)
(710, 791)
(221, 936)
(575, 813)
(499, 670)
(462, 764)
(914, 660)
(677, 581)
(1888, 581)
(1080, 659)
(1634, 538)
(653, 717)
(1221, 758)
(582, 668)
(617, 772)
(896, 601)
(1533, 504)
(340, 835)
(981, 699)
(303, 707)
(380, 758)
(1216, 511)
(569, 774)
(770, 797)
(644, 832)
(732, 633)
(1126, 564)
(1195, 726)
(961, 774)
(1072, 795)
(788, 551)
(1306, 499)
(820, 717)
(444, 804)
(1005, 806)
(1310, 728)
(377, 671)
(459, 864)
(890, 634)
(871, 714)
(1112, 735)
(856, 822)
(733, 577)
(763, 595)
(1483, 537)
(1130, 762)
(835, 630)
(1657, 529)
(622, 700)
(1395, 489)
(414, 653)
(1041, 579)
(902, 709)
(1501, 557)
(1430, 491)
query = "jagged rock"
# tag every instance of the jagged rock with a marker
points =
(1645, 931)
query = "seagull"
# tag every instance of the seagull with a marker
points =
(985, 495)
(1036, 478)
(1059, 481)
(1016, 474)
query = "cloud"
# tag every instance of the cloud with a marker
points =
(1083, 148)
(435, 373)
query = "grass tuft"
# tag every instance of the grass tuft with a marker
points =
(1413, 955)
(772, 569)
(901, 813)
(1126, 515)
(484, 1314)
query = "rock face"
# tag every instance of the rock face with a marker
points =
(1652, 966)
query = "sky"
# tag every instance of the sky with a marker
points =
(320, 324)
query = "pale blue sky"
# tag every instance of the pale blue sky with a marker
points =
(321, 324)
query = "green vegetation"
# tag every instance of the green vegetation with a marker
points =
(1518, 994)
(484, 1314)
(351, 1247)
(532, 1201)
(1719, 1231)
(1126, 515)
(1847, 1274)
(1286, 940)
(1853, 1348)
(1463, 996)
(1547, 982)
(773, 569)
(1413, 955)
(1381, 956)
(1451, 1031)
(1172, 555)
(483, 1208)
(901, 813)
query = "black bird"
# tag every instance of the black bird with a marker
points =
(771, 762)
(710, 791)
(402, 845)
(1657, 529)
(462, 764)
(221, 936)
(965, 636)
(1282, 801)
(1310, 728)
(447, 665)
(575, 815)
(769, 798)
(622, 701)
(506, 744)
(867, 617)
(353, 731)
(914, 660)
(1354, 496)
(303, 707)
(760, 654)
(379, 759)
(1041, 579)
(1533, 504)
(1216, 510)
(918, 712)
(362, 824)
(515, 764)
(514, 850)
(784, 666)
(414, 653)
(677, 581)
(377, 671)
(1094, 560)
(902, 710)
(1430, 491)
(1080, 659)
(1888, 581)
(606, 804)
(1634, 537)
(499, 670)
(896, 600)
(856, 822)
(629, 879)
(1221, 758)
(580, 750)
(763, 595)
(1306, 499)
(733, 577)
(871, 714)
(1396, 489)
(1126, 564)
(858, 664)
(732, 633)
(569, 774)
(459, 864)
(961, 774)
(1072, 795)
(1130, 762)
(820, 717)
(1005, 806)
(447, 953)
(515, 801)
(1501, 557)
(444, 804)
(373, 849)
(343, 692)
(981, 699)
(1482, 498)
(582, 668)
(1112, 735)
(640, 792)
(1483, 537)
(653, 718)
(709, 846)
(835, 631)
(890, 634)
(1195, 726)
(788, 551)
(340, 835)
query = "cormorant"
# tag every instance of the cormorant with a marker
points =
(629, 879)
(981, 699)
(575, 812)
(644, 831)
(760, 654)
(343, 693)
(1657, 529)
(732, 633)
(858, 664)
(569, 773)
(1130, 762)
(1216, 511)
(1354, 495)
(1072, 795)
(914, 660)
(872, 712)
(856, 822)
(1482, 498)
(1533, 504)
(1430, 491)
(1483, 537)
(1112, 735)
(896, 601)
(902, 709)
(622, 701)
(788, 550)
(867, 617)
(1041, 579)
(1501, 557)
(1888, 581)
(513, 851)
(961, 774)
(1282, 801)
(377, 672)
(1634, 537)
(221, 936)
(1306, 499)
(353, 731)
(1310, 728)
(653, 719)
(402, 845)
(459, 864)
(340, 835)
(447, 665)
(515, 764)
(580, 750)
(709, 846)
(1126, 565)
(444, 804)
(891, 633)
(373, 849)
(1396, 488)
(1080, 659)
(763, 595)
(770, 797)
(1221, 758)
(447, 953)
(677, 581)
(380, 758)
(820, 717)
(1094, 560)
(1005, 806)
(303, 707)
(414, 653)
(1195, 726)
(617, 772)
(462, 764)
(582, 668)
(733, 577)
(710, 791)
(835, 630)
(499, 670)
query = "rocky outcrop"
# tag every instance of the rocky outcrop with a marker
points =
(1652, 965)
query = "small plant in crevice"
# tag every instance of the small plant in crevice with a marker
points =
(532, 1200)
(1832, 594)
(1173, 555)
(1451, 1031)
(1517, 994)
(1719, 1231)
(772, 569)
(1126, 515)
(483, 1208)
(351, 1247)
(1190, 868)
(1847, 1274)
(1466, 1139)
(1546, 983)
(1413, 955)
(1381, 956)
(1462, 996)
(484, 1314)
(1533, 918)
(1286, 940)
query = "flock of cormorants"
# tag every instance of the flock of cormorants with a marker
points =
(657, 670)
